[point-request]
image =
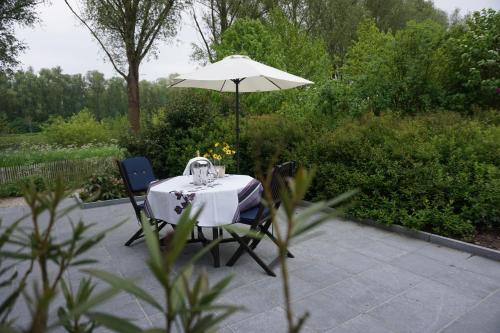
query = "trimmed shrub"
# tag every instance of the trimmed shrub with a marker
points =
(438, 173)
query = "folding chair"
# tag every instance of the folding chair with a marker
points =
(259, 218)
(137, 173)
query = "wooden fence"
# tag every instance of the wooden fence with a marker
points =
(69, 170)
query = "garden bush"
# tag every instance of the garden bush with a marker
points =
(438, 173)
(80, 129)
(189, 123)
(104, 186)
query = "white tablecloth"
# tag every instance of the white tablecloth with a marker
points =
(222, 201)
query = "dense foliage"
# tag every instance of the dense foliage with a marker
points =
(14, 13)
(438, 172)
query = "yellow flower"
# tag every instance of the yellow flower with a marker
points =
(206, 155)
(233, 152)
(216, 144)
(217, 157)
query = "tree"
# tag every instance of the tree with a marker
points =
(12, 13)
(472, 70)
(279, 43)
(216, 16)
(393, 14)
(128, 32)
(95, 93)
(368, 66)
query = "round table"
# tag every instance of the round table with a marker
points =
(221, 201)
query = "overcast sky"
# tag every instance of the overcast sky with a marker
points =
(60, 41)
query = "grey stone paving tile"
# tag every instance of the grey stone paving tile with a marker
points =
(467, 283)
(403, 242)
(321, 274)
(339, 227)
(251, 298)
(381, 251)
(481, 265)
(325, 311)
(352, 261)
(428, 307)
(273, 288)
(484, 318)
(375, 233)
(356, 240)
(328, 257)
(358, 293)
(392, 278)
(442, 253)
(319, 250)
(419, 264)
(361, 324)
(273, 320)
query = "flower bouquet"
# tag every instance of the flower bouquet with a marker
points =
(222, 156)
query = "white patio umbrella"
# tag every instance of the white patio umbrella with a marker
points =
(237, 73)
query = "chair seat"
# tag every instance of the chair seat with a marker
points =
(250, 215)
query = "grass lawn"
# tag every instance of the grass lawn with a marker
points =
(12, 141)
(44, 153)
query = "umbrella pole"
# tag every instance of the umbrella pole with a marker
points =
(237, 82)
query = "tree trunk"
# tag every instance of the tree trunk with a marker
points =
(133, 98)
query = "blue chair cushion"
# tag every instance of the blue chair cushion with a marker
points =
(250, 215)
(139, 173)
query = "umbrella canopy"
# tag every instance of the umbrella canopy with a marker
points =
(237, 73)
(254, 76)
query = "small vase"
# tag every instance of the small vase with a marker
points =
(221, 170)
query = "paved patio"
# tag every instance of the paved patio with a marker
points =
(352, 278)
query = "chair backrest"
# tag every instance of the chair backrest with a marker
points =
(280, 174)
(137, 173)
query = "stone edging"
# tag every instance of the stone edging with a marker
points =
(103, 203)
(428, 237)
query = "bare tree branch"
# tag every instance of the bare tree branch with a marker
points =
(203, 37)
(97, 38)
(155, 30)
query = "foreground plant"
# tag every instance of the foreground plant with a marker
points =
(38, 249)
(188, 306)
(296, 222)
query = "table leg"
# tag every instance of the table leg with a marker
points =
(215, 249)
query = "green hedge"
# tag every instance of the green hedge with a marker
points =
(438, 172)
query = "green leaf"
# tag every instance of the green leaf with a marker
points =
(15, 255)
(114, 323)
(126, 285)
(182, 231)
(89, 304)
(215, 291)
(4, 328)
(84, 262)
(153, 244)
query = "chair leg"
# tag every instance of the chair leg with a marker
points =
(135, 237)
(265, 229)
(162, 225)
(245, 247)
(215, 249)
(275, 241)
(240, 250)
